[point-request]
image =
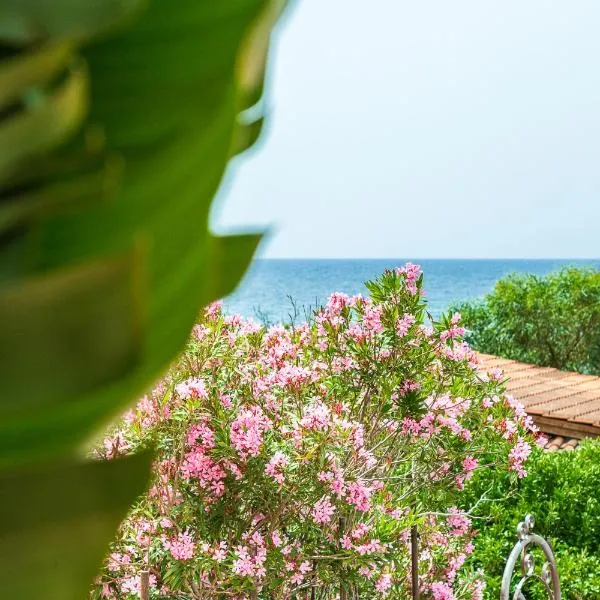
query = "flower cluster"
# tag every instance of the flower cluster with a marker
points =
(295, 458)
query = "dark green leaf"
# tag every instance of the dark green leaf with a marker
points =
(24, 21)
(65, 333)
(56, 524)
(31, 69)
(45, 124)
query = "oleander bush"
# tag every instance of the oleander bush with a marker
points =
(561, 491)
(293, 461)
(552, 320)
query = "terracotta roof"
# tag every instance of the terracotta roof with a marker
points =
(557, 442)
(561, 403)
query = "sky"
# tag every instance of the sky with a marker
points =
(429, 129)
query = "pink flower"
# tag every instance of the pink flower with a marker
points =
(336, 303)
(210, 474)
(200, 332)
(518, 455)
(130, 585)
(213, 311)
(359, 495)
(243, 564)
(411, 273)
(201, 434)
(384, 584)
(496, 374)
(192, 388)
(275, 466)
(322, 511)
(220, 552)
(316, 416)
(182, 547)
(441, 591)
(369, 547)
(116, 446)
(360, 530)
(452, 333)
(250, 565)
(366, 571)
(225, 401)
(458, 521)
(276, 539)
(372, 319)
(478, 589)
(117, 561)
(404, 324)
(469, 465)
(247, 431)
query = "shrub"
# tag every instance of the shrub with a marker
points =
(294, 461)
(561, 491)
(551, 321)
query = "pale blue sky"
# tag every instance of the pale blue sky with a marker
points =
(463, 128)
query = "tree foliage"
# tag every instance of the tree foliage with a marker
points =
(561, 492)
(551, 321)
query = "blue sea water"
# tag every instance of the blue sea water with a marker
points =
(267, 291)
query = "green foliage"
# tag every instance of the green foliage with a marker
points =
(57, 522)
(561, 491)
(551, 321)
(117, 122)
(296, 459)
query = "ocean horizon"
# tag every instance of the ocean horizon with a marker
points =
(276, 290)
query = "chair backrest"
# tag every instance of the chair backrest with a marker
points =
(547, 576)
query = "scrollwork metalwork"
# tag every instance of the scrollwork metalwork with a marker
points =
(547, 576)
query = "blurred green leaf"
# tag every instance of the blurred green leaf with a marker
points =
(224, 258)
(57, 522)
(64, 333)
(105, 252)
(31, 69)
(45, 123)
(25, 21)
(246, 135)
(165, 95)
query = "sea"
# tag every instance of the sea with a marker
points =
(282, 290)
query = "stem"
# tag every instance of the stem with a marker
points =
(414, 561)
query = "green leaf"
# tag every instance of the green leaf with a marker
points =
(61, 193)
(66, 332)
(174, 126)
(51, 428)
(57, 522)
(228, 258)
(253, 58)
(25, 21)
(247, 134)
(45, 123)
(31, 69)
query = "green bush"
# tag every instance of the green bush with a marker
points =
(561, 491)
(552, 321)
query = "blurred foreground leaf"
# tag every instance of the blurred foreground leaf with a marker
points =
(165, 98)
(113, 144)
(57, 523)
